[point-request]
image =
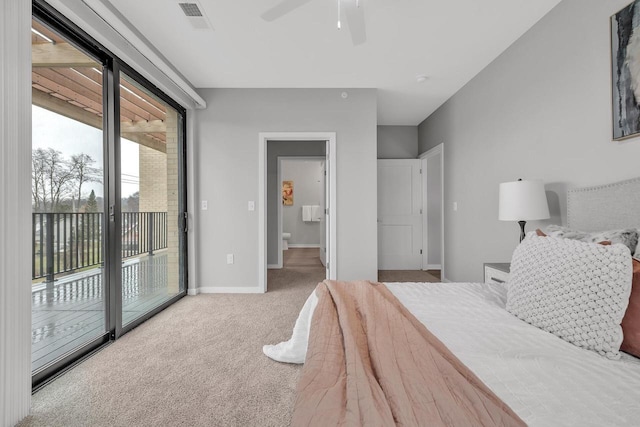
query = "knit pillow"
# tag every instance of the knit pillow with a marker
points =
(575, 290)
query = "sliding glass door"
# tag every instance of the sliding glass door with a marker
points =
(68, 256)
(108, 196)
(150, 132)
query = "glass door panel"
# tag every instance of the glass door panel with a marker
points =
(68, 257)
(149, 169)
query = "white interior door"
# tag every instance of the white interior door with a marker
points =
(399, 215)
(323, 217)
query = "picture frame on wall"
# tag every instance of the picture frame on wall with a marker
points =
(287, 193)
(625, 71)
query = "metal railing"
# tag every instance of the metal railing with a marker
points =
(138, 278)
(67, 242)
(143, 232)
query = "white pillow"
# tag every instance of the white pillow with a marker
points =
(578, 291)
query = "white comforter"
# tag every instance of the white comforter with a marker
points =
(545, 380)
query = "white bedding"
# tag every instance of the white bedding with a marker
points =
(545, 380)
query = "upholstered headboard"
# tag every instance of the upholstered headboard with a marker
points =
(605, 207)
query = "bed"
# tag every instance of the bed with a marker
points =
(544, 379)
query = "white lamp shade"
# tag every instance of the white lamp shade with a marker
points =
(523, 201)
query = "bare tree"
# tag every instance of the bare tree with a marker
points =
(59, 178)
(83, 171)
(38, 185)
(52, 179)
(55, 180)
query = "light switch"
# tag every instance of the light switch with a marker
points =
(455, 206)
(205, 205)
(252, 205)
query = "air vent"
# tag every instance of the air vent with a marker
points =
(195, 14)
(190, 9)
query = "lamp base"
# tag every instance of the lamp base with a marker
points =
(522, 233)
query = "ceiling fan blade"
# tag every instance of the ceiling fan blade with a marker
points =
(282, 8)
(355, 18)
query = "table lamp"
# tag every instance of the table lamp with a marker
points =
(523, 201)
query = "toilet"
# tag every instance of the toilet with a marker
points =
(285, 241)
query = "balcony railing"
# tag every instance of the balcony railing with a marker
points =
(67, 242)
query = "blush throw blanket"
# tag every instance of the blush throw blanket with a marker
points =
(371, 362)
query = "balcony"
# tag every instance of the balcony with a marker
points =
(68, 292)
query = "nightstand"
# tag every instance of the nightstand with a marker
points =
(496, 272)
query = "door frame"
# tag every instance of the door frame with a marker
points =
(263, 139)
(280, 228)
(435, 151)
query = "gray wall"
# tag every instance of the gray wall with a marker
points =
(277, 149)
(397, 142)
(226, 145)
(540, 110)
(307, 190)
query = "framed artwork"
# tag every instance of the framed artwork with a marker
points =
(287, 193)
(625, 71)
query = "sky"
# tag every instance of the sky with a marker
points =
(51, 130)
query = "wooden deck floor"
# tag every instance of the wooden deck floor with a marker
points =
(72, 312)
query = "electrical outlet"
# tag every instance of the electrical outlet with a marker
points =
(229, 258)
(205, 205)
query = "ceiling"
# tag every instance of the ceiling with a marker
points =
(448, 41)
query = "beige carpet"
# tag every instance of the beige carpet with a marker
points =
(198, 363)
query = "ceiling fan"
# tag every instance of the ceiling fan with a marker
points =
(352, 9)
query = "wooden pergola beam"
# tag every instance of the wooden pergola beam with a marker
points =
(151, 126)
(64, 108)
(146, 141)
(59, 55)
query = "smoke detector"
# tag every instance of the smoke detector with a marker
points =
(194, 13)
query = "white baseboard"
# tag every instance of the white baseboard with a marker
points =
(274, 266)
(192, 291)
(434, 267)
(304, 245)
(231, 290)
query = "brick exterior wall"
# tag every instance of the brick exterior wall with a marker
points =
(153, 180)
(159, 193)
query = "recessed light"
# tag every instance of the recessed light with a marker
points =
(421, 78)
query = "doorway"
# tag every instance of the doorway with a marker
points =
(269, 233)
(399, 214)
(411, 218)
(301, 222)
(432, 164)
